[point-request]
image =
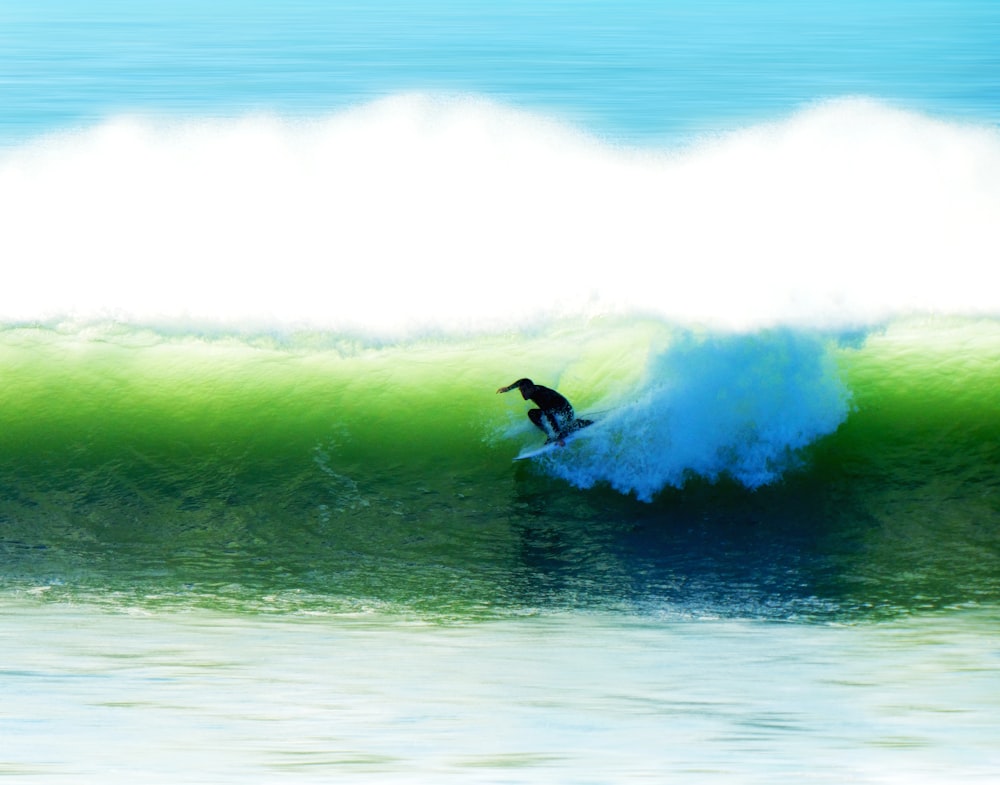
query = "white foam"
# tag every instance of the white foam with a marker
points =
(741, 406)
(420, 212)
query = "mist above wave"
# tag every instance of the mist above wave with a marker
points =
(421, 212)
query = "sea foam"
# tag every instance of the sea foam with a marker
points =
(424, 213)
(740, 406)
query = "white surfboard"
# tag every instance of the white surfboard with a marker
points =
(553, 445)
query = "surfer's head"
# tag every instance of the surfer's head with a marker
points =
(526, 386)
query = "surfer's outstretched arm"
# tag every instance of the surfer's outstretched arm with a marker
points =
(526, 386)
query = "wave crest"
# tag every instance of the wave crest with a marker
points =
(421, 212)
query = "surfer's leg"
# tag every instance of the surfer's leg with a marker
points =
(536, 417)
(561, 420)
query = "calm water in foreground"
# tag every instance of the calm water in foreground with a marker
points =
(118, 696)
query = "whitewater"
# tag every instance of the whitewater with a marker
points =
(419, 213)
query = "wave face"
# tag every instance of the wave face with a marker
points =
(775, 474)
(253, 362)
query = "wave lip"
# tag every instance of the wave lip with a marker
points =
(422, 212)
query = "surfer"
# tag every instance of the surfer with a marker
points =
(554, 415)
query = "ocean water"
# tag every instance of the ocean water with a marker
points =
(264, 266)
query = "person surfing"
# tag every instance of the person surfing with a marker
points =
(554, 416)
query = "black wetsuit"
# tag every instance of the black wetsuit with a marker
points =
(552, 406)
(554, 414)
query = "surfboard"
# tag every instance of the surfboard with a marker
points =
(554, 445)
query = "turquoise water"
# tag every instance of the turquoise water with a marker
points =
(630, 69)
(265, 266)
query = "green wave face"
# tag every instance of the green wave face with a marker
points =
(777, 474)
